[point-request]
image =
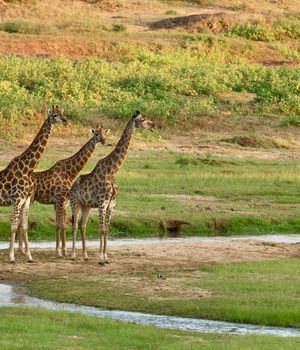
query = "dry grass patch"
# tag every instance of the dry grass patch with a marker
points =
(255, 141)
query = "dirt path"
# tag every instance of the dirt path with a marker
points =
(143, 257)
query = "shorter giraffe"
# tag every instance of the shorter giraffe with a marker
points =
(16, 183)
(52, 186)
(98, 189)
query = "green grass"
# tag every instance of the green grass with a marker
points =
(216, 196)
(23, 27)
(277, 31)
(264, 293)
(22, 328)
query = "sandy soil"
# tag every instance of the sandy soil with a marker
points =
(141, 257)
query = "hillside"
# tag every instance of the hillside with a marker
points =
(200, 64)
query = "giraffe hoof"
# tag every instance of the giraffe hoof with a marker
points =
(12, 261)
(30, 261)
(106, 262)
(101, 263)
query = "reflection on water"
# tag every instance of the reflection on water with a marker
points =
(16, 296)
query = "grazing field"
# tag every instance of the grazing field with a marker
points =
(263, 293)
(38, 329)
(214, 195)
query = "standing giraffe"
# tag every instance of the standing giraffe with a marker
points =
(98, 189)
(52, 186)
(16, 183)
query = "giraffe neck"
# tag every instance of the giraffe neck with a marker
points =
(31, 156)
(112, 163)
(75, 164)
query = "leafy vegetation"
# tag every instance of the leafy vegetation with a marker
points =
(278, 31)
(168, 87)
(23, 27)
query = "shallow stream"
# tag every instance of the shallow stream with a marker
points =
(287, 238)
(11, 295)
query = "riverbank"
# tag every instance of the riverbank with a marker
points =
(237, 281)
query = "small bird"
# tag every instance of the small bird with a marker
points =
(159, 275)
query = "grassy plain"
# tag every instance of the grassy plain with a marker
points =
(263, 293)
(215, 195)
(38, 329)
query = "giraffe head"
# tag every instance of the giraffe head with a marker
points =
(100, 133)
(56, 115)
(141, 122)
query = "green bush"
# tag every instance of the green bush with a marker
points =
(290, 120)
(22, 27)
(118, 28)
(286, 29)
(169, 87)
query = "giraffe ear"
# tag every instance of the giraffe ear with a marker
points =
(49, 112)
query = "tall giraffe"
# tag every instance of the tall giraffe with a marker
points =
(52, 186)
(98, 189)
(16, 183)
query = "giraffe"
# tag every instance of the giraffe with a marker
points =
(98, 189)
(52, 186)
(16, 184)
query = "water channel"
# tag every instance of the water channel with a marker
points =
(11, 295)
(16, 296)
(287, 238)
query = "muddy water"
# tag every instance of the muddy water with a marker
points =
(16, 296)
(292, 239)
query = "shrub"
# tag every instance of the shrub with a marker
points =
(286, 29)
(290, 120)
(118, 28)
(166, 86)
(23, 27)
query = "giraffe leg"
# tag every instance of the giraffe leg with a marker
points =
(24, 228)
(14, 227)
(102, 228)
(63, 229)
(75, 215)
(84, 219)
(107, 223)
(58, 214)
(20, 245)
